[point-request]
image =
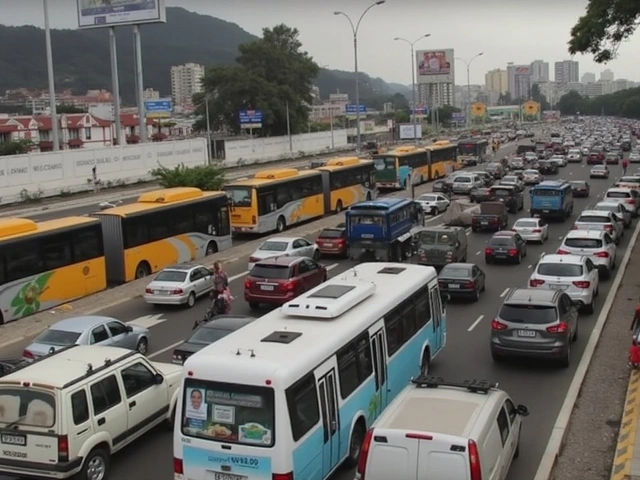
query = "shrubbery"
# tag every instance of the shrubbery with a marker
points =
(204, 177)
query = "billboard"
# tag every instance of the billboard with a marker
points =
(478, 110)
(435, 66)
(160, 108)
(522, 70)
(111, 13)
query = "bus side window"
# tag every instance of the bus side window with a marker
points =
(224, 227)
(267, 202)
(302, 403)
(56, 251)
(23, 260)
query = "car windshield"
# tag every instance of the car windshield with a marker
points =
(532, 314)
(560, 269)
(455, 272)
(274, 246)
(630, 179)
(276, 272)
(436, 238)
(510, 179)
(618, 195)
(330, 233)
(240, 196)
(501, 192)
(171, 276)
(578, 184)
(462, 179)
(58, 338)
(531, 172)
(599, 167)
(207, 335)
(502, 241)
(526, 224)
(427, 198)
(583, 242)
(545, 192)
(608, 208)
(593, 219)
(27, 407)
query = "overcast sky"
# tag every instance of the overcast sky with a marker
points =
(516, 31)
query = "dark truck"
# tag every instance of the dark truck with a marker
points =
(493, 217)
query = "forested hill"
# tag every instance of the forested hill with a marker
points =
(81, 57)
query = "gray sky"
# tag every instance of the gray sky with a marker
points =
(516, 31)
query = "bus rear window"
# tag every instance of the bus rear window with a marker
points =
(228, 413)
(545, 193)
(385, 163)
(240, 196)
(367, 220)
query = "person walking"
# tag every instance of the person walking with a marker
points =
(625, 165)
(220, 277)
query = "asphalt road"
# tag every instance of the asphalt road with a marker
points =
(541, 387)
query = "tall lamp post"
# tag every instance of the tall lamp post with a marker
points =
(468, 64)
(55, 132)
(413, 78)
(354, 28)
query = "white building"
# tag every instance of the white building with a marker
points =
(439, 94)
(539, 71)
(326, 111)
(621, 84)
(151, 94)
(567, 71)
(607, 75)
(186, 80)
(594, 89)
(588, 77)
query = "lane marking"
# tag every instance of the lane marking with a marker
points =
(11, 342)
(506, 290)
(431, 219)
(475, 324)
(331, 267)
(148, 321)
(165, 349)
(478, 253)
(468, 231)
(560, 237)
(240, 275)
(530, 266)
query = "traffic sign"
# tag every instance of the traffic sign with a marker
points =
(458, 117)
(159, 108)
(250, 118)
(351, 109)
(421, 110)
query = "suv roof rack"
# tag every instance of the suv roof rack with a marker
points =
(474, 386)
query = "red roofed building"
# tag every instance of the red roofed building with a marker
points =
(131, 127)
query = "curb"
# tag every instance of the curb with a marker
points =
(621, 468)
(561, 426)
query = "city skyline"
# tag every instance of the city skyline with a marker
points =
(381, 57)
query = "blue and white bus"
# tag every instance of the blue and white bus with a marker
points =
(291, 395)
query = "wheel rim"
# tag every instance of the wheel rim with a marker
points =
(142, 346)
(356, 444)
(96, 469)
(191, 300)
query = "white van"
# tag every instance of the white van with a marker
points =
(64, 415)
(445, 431)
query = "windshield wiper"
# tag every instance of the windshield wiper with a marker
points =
(16, 422)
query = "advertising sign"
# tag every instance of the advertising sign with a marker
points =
(435, 66)
(111, 13)
(458, 117)
(406, 131)
(478, 110)
(531, 110)
(251, 118)
(421, 110)
(551, 115)
(522, 70)
(160, 108)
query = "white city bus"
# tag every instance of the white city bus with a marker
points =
(291, 395)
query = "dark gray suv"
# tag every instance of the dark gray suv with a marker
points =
(535, 323)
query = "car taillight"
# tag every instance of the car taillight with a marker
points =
(562, 252)
(537, 230)
(342, 241)
(178, 466)
(178, 291)
(254, 220)
(474, 461)
(562, 327)
(488, 251)
(28, 354)
(253, 260)
(630, 201)
(535, 282)
(63, 448)
(513, 251)
(582, 284)
(290, 285)
(498, 325)
(601, 254)
(364, 453)
(247, 283)
(575, 227)
(608, 228)
(469, 285)
(148, 290)
(283, 476)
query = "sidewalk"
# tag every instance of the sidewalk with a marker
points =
(626, 462)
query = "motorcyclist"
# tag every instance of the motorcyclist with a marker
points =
(221, 301)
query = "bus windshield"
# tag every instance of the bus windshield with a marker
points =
(385, 163)
(468, 148)
(229, 413)
(240, 196)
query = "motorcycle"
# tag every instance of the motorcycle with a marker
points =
(109, 204)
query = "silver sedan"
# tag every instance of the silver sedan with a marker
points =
(532, 229)
(179, 285)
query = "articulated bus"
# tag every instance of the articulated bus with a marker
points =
(395, 167)
(164, 227)
(346, 181)
(46, 264)
(473, 151)
(291, 395)
(443, 159)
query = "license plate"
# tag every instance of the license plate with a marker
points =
(545, 211)
(328, 244)
(161, 292)
(526, 333)
(558, 287)
(453, 285)
(14, 439)
(484, 223)
(228, 476)
(268, 288)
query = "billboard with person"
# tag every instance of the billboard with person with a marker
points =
(435, 66)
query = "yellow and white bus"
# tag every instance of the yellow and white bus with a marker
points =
(443, 159)
(164, 227)
(275, 199)
(347, 180)
(46, 264)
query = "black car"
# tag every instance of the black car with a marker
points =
(9, 365)
(479, 195)
(207, 333)
(462, 280)
(547, 167)
(580, 188)
(505, 246)
(440, 186)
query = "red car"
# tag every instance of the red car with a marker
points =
(275, 281)
(333, 241)
(595, 158)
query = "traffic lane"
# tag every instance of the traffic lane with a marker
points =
(76, 211)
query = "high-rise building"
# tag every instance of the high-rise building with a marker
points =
(435, 80)
(567, 71)
(496, 83)
(186, 80)
(588, 77)
(519, 81)
(606, 75)
(539, 71)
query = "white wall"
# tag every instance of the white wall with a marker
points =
(259, 150)
(50, 174)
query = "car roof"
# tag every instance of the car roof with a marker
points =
(619, 190)
(335, 229)
(599, 213)
(608, 204)
(537, 296)
(504, 233)
(554, 258)
(281, 239)
(182, 268)
(81, 323)
(585, 234)
(464, 265)
(526, 219)
(283, 261)
(228, 322)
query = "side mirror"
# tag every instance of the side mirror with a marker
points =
(522, 410)
(159, 379)
(129, 328)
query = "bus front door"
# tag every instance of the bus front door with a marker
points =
(327, 390)
(379, 357)
(436, 315)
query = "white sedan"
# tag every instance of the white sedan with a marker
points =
(433, 203)
(284, 247)
(532, 229)
(532, 177)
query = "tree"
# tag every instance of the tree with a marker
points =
(603, 27)
(204, 177)
(537, 96)
(571, 103)
(625, 103)
(631, 108)
(505, 99)
(68, 108)
(271, 74)
(17, 147)
(445, 113)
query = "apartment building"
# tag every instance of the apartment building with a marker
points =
(185, 82)
(539, 71)
(567, 71)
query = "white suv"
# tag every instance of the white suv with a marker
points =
(65, 414)
(596, 244)
(576, 275)
(629, 198)
(600, 220)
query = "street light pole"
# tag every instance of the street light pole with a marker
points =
(55, 133)
(413, 78)
(468, 64)
(354, 29)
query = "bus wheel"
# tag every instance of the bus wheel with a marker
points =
(1, 319)
(212, 248)
(142, 270)
(355, 445)
(339, 206)
(281, 224)
(426, 364)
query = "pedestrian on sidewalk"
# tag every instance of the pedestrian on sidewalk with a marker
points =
(634, 354)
